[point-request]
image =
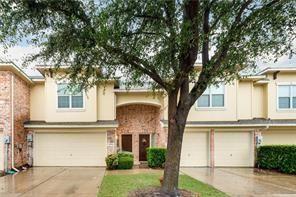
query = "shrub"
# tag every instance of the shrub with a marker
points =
(111, 161)
(121, 160)
(277, 157)
(156, 157)
(125, 162)
(125, 154)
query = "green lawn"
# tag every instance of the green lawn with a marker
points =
(120, 185)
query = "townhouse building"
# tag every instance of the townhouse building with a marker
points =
(58, 126)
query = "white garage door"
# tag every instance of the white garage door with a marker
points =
(70, 149)
(195, 149)
(234, 149)
(279, 138)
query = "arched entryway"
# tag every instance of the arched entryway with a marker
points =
(138, 128)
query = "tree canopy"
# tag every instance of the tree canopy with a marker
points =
(154, 40)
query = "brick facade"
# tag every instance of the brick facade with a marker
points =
(140, 119)
(21, 113)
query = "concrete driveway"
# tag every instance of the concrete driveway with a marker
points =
(245, 181)
(53, 181)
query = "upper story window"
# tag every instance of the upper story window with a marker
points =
(214, 96)
(287, 96)
(69, 98)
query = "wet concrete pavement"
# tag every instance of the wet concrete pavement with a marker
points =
(245, 181)
(53, 181)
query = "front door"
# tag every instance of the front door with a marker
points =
(144, 143)
(127, 142)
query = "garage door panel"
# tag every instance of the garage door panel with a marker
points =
(233, 149)
(194, 149)
(69, 149)
(279, 138)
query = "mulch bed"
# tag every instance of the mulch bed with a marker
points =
(157, 192)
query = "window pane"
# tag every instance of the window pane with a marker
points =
(284, 102)
(207, 91)
(217, 89)
(63, 89)
(294, 102)
(63, 102)
(293, 91)
(77, 101)
(204, 101)
(218, 100)
(284, 91)
(76, 91)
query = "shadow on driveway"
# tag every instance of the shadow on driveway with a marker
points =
(245, 181)
(53, 181)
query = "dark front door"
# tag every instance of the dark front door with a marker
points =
(127, 143)
(144, 143)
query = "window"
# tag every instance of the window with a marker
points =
(69, 97)
(212, 97)
(287, 96)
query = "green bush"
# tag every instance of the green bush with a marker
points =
(125, 163)
(111, 161)
(121, 160)
(277, 157)
(156, 157)
(125, 154)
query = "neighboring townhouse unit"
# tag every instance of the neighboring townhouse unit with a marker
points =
(14, 111)
(68, 127)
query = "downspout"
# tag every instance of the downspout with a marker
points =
(12, 124)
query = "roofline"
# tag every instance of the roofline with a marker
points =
(37, 126)
(18, 70)
(234, 125)
(274, 69)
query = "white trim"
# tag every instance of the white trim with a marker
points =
(139, 102)
(70, 126)
(211, 108)
(70, 108)
(235, 125)
(276, 69)
(290, 84)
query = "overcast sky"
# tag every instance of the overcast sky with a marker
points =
(17, 54)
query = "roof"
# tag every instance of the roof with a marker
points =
(97, 124)
(257, 122)
(10, 66)
(277, 69)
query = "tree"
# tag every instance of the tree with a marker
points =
(154, 40)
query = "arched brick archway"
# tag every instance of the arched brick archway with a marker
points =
(136, 121)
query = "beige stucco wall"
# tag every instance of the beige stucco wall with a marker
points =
(279, 136)
(273, 112)
(259, 98)
(53, 114)
(127, 98)
(228, 113)
(244, 96)
(106, 102)
(37, 105)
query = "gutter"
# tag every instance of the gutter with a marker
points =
(69, 126)
(12, 124)
(265, 126)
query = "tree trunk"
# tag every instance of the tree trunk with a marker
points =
(176, 126)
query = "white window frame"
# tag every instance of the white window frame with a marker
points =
(211, 107)
(70, 108)
(290, 84)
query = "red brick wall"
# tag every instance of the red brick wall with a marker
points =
(21, 114)
(5, 109)
(140, 119)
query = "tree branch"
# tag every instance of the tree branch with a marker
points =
(138, 64)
